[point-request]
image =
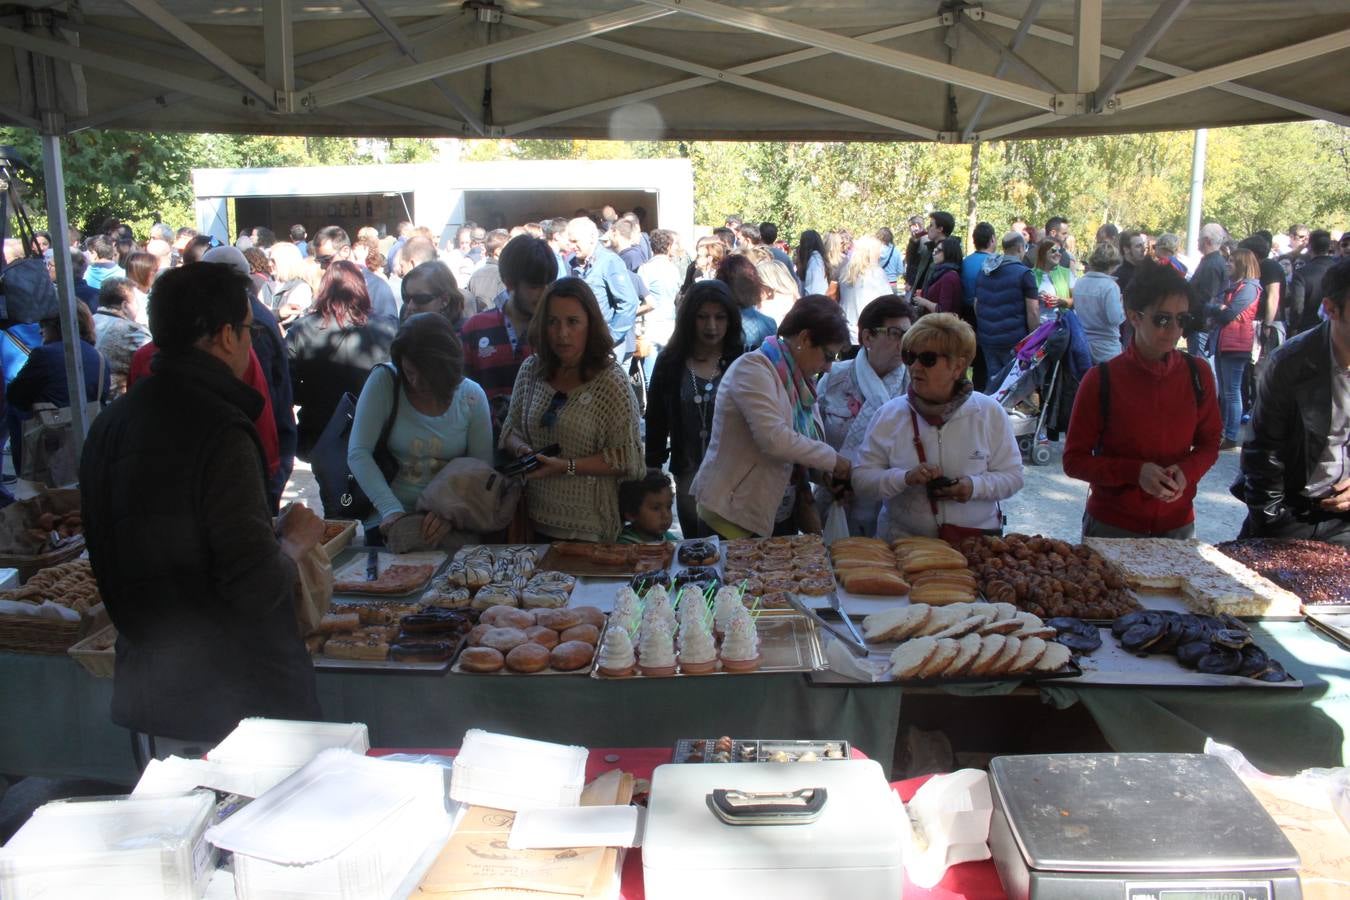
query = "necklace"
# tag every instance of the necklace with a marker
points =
(703, 402)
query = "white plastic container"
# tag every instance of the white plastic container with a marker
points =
(513, 773)
(123, 848)
(344, 827)
(261, 753)
(9, 578)
(851, 851)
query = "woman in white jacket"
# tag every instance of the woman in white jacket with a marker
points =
(861, 281)
(766, 429)
(941, 431)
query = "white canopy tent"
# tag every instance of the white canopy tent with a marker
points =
(947, 71)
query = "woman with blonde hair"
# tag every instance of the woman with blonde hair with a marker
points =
(836, 254)
(778, 278)
(1232, 319)
(943, 454)
(861, 281)
(292, 294)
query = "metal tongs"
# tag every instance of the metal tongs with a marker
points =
(852, 640)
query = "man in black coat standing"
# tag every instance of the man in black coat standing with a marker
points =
(174, 493)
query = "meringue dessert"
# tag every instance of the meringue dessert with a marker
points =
(725, 604)
(656, 651)
(698, 653)
(616, 654)
(740, 646)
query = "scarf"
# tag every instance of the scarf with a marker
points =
(938, 414)
(800, 389)
(876, 394)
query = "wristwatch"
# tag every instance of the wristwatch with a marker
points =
(571, 467)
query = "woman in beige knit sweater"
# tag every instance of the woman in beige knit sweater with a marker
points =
(572, 393)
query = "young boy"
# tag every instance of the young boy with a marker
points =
(646, 509)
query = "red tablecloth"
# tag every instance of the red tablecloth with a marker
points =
(968, 881)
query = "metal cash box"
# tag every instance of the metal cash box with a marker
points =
(1142, 826)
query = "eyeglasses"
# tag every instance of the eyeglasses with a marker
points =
(928, 358)
(1185, 321)
(550, 416)
(420, 299)
(895, 334)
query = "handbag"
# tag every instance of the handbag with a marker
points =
(952, 534)
(49, 439)
(339, 491)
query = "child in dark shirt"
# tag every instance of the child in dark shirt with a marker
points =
(645, 505)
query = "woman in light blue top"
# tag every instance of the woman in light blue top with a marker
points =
(1096, 299)
(811, 263)
(439, 415)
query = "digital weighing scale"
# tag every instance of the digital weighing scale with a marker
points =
(1145, 826)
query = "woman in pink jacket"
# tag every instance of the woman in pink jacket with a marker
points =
(766, 430)
(1233, 316)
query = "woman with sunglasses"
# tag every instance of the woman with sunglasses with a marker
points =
(1054, 280)
(438, 415)
(945, 292)
(431, 287)
(1232, 317)
(942, 454)
(766, 429)
(854, 390)
(682, 395)
(1145, 426)
(572, 393)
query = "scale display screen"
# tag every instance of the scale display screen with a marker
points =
(1245, 891)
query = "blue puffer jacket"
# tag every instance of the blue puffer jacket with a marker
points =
(1001, 290)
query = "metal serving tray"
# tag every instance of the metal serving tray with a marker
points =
(788, 642)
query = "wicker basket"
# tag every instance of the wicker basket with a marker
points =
(29, 566)
(99, 662)
(30, 634)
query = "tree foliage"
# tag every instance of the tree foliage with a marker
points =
(1257, 177)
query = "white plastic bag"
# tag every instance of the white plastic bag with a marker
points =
(836, 523)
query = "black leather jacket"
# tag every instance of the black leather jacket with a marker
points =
(1291, 419)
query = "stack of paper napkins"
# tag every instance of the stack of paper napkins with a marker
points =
(344, 826)
(947, 824)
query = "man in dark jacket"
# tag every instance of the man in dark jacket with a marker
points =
(940, 227)
(1296, 468)
(180, 537)
(1006, 303)
(1306, 288)
(1211, 276)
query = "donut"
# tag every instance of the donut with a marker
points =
(542, 635)
(503, 639)
(698, 553)
(528, 657)
(588, 633)
(644, 581)
(476, 634)
(557, 619)
(571, 655)
(481, 659)
(695, 574)
(590, 615)
(514, 618)
(489, 615)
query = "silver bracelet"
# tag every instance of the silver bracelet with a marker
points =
(571, 467)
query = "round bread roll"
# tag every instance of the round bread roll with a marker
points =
(481, 659)
(590, 615)
(489, 615)
(503, 639)
(588, 633)
(511, 617)
(557, 619)
(571, 655)
(528, 657)
(542, 635)
(476, 634)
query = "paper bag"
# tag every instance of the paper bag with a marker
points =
(314, 590)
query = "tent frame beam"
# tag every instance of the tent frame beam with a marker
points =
(192, 39)
(1014, 44)
(1157, 25)
(405, 47)
(709, 75)
(1087, 45)
(279, 52)
(322, 94)
(1156, 65)
(855, 49)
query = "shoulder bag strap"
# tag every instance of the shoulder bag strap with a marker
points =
(383, 442)
(1196, 386)
(14, 339)
(923, 457)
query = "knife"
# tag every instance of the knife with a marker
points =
(372, 565)
(848, 623)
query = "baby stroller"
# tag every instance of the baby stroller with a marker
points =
(1053, 359)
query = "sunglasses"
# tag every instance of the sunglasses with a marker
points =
(420, 299)
(894, 334)
(1185, 321)
(928, 358)
(550, 416)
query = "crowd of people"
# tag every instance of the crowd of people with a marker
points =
(782, 379)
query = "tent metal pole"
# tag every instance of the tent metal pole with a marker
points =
(1088, 46)
(279, 46)
(53, 179)
(1197, 192)
(1143, 42)
(1020, 35)
(191, 38)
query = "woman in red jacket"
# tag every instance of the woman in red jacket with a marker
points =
(944, 292)
(1145, 426)
(1233, 317)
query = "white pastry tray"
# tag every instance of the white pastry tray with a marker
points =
(788, 642)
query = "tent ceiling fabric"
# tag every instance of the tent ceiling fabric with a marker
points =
(667, 69)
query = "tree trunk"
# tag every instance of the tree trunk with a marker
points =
(973, 190)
